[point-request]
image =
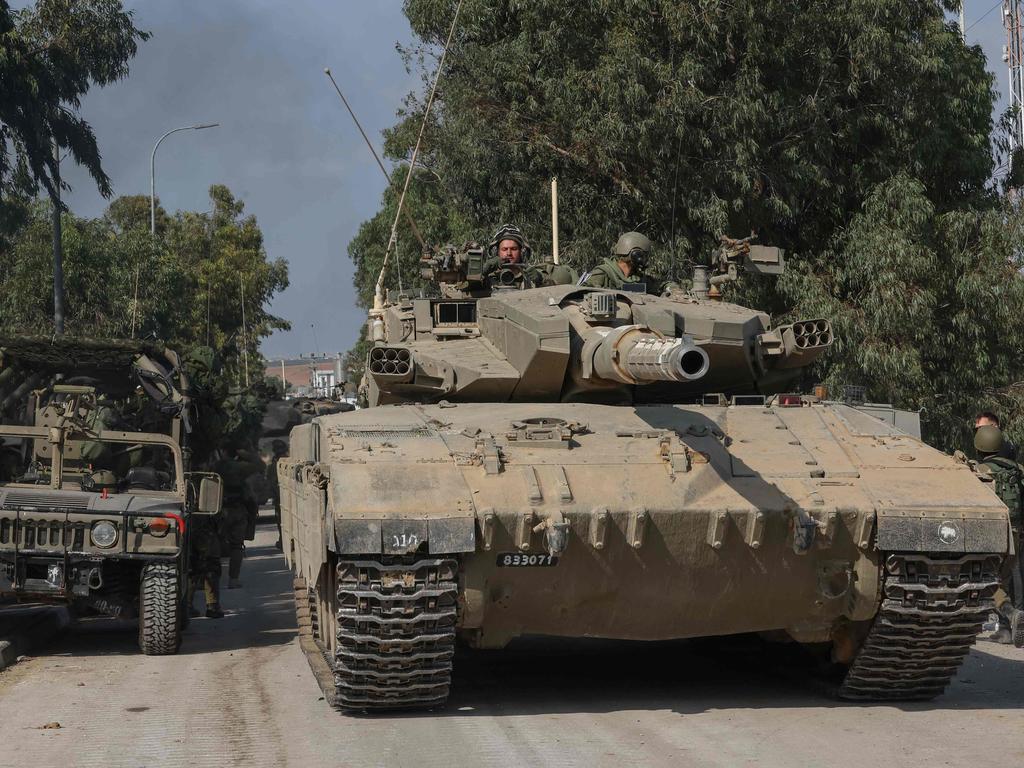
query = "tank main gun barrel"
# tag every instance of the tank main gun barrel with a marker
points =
(632, 354)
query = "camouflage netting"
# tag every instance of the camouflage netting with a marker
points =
(74, 354)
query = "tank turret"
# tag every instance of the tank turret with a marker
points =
(487, 340)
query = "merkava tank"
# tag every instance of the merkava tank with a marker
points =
(282, 415)
(568, 461)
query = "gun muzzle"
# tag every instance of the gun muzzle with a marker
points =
(632, 354)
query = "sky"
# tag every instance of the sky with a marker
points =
(285, 146)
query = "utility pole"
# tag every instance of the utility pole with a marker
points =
(58, 252)
(963, 26)
(1013, 55)
(245, 334)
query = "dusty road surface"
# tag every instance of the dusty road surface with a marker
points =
(241, 694)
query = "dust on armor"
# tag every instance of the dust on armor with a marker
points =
(573, 461)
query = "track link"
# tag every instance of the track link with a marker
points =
(932, 609)
(396, 632)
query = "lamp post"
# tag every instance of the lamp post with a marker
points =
(152, 169)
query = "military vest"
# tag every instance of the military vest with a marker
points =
(1007, 479)
(607, 274)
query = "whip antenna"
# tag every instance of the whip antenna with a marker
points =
(378, 294)
(408, 218)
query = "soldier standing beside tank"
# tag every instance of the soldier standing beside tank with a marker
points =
(238, 515)
(205, 565)
(626, 266)
(280, 450)
(1007, 478)
(202, 366)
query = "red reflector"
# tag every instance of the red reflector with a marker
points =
(789, 401)
(178, 519)
(159, 526)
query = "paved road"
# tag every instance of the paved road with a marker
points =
(240, 693)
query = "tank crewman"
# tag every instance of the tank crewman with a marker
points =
(1007, 478)
(509, 247)
(205, 564)
(626, 265)
(1009, 450)
(280, 450)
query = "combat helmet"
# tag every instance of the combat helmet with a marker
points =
(634, 248)
(510, 232)
(988, 439)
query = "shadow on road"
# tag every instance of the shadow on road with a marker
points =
(260, 614)
(554, 676)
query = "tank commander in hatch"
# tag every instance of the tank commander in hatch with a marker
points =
(509, 247)
(626, 266)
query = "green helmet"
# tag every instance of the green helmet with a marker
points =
(988, 439)
(510, 232)
(633, 247)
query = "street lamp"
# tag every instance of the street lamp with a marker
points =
(152, 169)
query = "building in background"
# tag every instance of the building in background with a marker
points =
(308, 375)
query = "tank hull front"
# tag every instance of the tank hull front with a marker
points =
(643, 523)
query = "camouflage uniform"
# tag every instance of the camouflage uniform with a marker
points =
(201, 366)
(280, 451)
(205, 563)
(1007, 478)
(534, 275)
(238, 516)
(608, 274)
(634, 249)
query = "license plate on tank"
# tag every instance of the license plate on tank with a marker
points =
(523, 560)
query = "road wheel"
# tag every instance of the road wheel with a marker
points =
(159, 609)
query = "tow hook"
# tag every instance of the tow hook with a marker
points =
(556, 533)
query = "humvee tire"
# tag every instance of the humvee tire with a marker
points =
(159, 606)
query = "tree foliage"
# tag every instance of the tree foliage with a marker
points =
(858, 136)
(189, 280)
(50, 55)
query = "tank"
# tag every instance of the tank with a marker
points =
(282, 415)
(577, 462)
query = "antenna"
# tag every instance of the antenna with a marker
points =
(554, 219)
(412, 224)
(378, 293)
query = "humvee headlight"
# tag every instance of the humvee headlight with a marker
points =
(103, 534)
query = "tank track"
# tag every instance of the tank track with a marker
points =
(933, 607)
(396, 632)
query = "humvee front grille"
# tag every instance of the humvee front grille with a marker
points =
(43, 500)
